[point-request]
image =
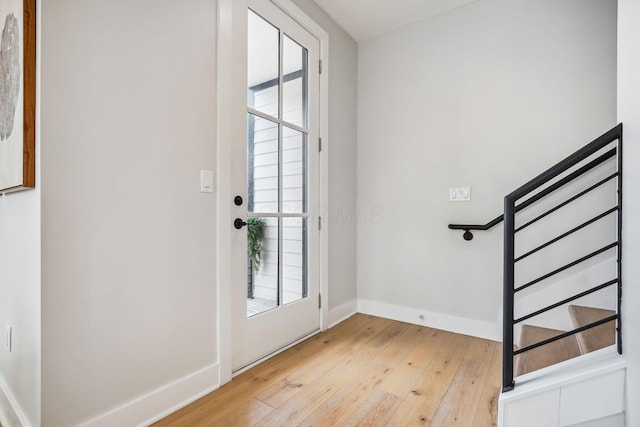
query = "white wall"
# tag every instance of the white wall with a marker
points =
(629, 115)
(128, 241)
(487, 96)
(20, 303)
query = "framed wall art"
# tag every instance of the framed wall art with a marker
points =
(17, 95)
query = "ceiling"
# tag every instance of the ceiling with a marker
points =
(364, 19)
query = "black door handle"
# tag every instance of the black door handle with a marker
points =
(239, 223)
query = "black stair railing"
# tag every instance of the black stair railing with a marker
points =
(510, 260)
(537, 187)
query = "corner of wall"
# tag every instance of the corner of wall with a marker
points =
(342, 312)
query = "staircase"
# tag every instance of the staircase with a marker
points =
(583, 379)
(562, 292)
(568, 347)
(549, 225)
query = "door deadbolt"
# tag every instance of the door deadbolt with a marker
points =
(237, 200)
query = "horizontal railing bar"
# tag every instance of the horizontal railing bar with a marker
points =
(566, 202)
(583, 153)
(565, 301)
(566, 334)
(567, 179)
(568, 233)
(578, 172)
(563, 268)
(586, 151)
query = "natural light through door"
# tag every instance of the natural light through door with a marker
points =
(276, 167)
(281, 276)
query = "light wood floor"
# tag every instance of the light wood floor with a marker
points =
(364, 371)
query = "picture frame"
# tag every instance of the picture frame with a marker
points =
(17, 95)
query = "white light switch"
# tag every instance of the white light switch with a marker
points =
(460, 194)
(206, 181)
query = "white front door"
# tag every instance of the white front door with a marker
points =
(276, 285)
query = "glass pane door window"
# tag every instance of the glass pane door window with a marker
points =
(277, 167)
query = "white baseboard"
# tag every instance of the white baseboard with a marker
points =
(460, 325)
(11, 414)
(342, 312)
(152, 406)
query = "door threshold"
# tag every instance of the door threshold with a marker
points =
(246, 367)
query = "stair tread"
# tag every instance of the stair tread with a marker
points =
(596, 338)
(547, 355)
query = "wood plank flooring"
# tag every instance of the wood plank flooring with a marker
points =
(366, 371)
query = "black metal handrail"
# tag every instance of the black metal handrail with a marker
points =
(561, 167)
(468, 235)
(566, 202)
(510, 230)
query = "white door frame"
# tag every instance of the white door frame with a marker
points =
(231, 123)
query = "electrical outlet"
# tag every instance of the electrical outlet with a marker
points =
(9, 337)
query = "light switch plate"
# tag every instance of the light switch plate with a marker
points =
(460, 194)
(206, 181)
